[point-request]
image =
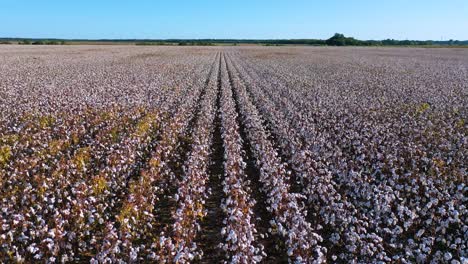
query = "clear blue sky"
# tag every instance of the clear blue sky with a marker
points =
(259, 19)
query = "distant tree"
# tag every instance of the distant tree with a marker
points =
(389, 42)
(336, 40)
(340, 40)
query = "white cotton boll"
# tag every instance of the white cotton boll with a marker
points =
(426, 249)
(51, 233)
(50, 246)
(351, 248)
(133, 254)
(421, 258)
(162, 239)
(257, 259)
(178, 257)
(420, 233)
(447, 256)
(32, 249)
(191, 256)
(232, 236)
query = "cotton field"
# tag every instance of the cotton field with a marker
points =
(125, 154)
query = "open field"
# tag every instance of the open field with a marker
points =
(238, 154)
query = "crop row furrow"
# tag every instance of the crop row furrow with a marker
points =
(290, 218)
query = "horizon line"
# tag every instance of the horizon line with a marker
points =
(223, 39)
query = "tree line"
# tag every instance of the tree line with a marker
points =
(336, 40)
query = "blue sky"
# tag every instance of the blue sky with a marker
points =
(259, 19)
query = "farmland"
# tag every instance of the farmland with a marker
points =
(237, 154)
